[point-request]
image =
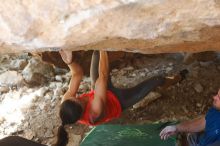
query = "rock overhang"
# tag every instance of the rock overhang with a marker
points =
(148, 27)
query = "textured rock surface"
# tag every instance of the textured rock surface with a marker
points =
(83, 58)
(11, 78)
(150, 26)
(36, 72)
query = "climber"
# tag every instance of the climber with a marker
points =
(104, 102)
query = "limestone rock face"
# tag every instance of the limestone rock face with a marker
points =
(145, 26)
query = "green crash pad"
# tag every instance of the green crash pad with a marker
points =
(126, 135)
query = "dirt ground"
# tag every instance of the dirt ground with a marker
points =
(188, 99)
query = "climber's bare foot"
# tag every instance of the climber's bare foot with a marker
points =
(66, 56)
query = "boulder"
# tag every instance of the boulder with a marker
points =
(151, 26)
(10, 79)
(37, 72)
